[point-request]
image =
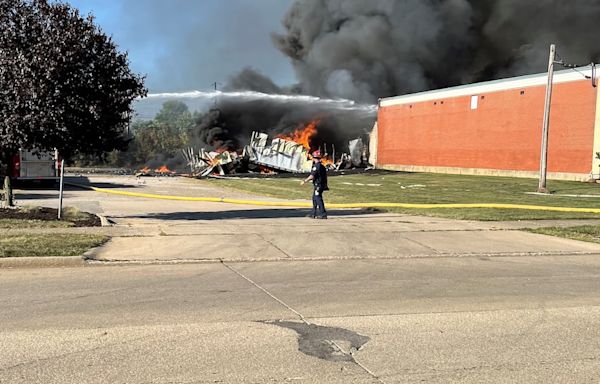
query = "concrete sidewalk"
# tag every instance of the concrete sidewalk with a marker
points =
(148, 230)
(353, 236)
(386, 237)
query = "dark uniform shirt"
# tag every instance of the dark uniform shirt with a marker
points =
(319, 174)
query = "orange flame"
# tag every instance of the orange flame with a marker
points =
(163, 169)
(266, 171)
(327, 161)
(145, 170)
(302, 135)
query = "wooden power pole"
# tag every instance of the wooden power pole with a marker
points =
(544, 157)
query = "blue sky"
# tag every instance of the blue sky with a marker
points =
(189, 44)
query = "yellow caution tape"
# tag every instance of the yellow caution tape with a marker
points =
(294, 204)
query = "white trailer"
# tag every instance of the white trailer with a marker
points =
(34, 165)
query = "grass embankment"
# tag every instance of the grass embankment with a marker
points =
(48, 245)
(589, 233)
(423, 188)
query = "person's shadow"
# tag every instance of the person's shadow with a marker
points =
(244, 214)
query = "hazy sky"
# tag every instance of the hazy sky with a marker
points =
(189, 44)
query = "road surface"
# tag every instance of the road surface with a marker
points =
(200, 293)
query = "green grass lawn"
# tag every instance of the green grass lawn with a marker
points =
(48, 245)
(18, 223)
(424, 188)
(589, 233)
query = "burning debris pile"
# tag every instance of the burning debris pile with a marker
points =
(205, 163)
(282, 154)
(160, 171)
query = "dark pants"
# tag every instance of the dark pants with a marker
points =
(318, 203)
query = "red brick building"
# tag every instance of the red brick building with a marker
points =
(494, 128)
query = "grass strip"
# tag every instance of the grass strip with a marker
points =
(589, 233)
(48, 244)
(426, 188)
(19, 223)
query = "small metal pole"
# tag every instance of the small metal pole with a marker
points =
(333, 149)
(8, 192)
(544, 156)
(60, 195)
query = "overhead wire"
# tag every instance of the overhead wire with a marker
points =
(575, 67)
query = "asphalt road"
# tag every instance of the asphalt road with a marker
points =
(218, 294)
(521, 319)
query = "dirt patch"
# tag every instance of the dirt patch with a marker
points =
(48, 214)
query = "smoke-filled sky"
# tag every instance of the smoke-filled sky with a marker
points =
(363, 50)
(355, 49)
(359, 50)
(189, 44)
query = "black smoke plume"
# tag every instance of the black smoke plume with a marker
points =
(250, 80)
(365, 50)
(232, 122)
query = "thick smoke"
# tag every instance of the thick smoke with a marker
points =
(364, 50)
(251, 80)
(231, 124)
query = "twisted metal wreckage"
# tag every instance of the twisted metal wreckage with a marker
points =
(280, 155)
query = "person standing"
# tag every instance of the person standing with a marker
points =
(318, 176)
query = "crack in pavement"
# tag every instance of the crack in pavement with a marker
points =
(316, 340)
(266, 292)
(435, 251)
(273, 245)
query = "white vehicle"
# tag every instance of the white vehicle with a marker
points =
(35, 165)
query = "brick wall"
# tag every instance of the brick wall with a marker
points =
(502, 133)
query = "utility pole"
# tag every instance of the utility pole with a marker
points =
(544, 156)
(216, 86)
(60, 193)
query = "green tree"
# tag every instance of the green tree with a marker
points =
(63, 83)
(175, 113)
(152, 139)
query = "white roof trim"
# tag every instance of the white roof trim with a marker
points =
(565, 76)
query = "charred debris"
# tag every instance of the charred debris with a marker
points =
(278, 156)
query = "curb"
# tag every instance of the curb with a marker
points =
(104, 221)
(42, 262)
(474, 255)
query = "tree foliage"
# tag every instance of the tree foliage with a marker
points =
(155, 141)
(63, 83)
(176, 113)
(164, 136)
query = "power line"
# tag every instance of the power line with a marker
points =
(575, 67)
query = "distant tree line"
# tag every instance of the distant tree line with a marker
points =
(151, 141)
